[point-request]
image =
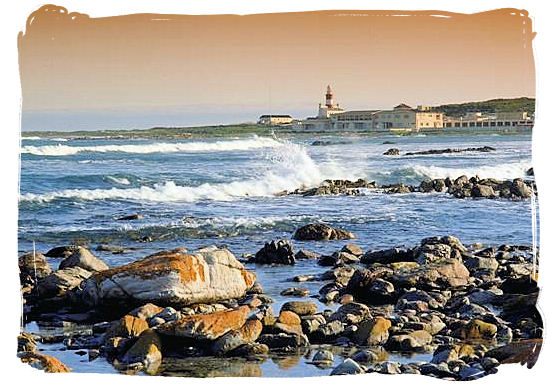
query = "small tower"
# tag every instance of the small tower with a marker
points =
(329, 102)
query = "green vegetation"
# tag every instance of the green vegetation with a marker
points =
(520, 104)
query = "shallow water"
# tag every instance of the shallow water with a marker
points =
(220, 191)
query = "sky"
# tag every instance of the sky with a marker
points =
(140, 71)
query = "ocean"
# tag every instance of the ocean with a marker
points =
(224, 191)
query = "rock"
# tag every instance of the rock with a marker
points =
(31, 263)
(135, 216)
(247, 334)
(312, 322)
(62, 281)
(387, 256)
(410, 342)
(346, 299)
(295, 291)
(169, 278)
(321, 232)
(476, 329)
(372, 331)
(61, 252)
(252, 350)
(347, 367)
(44, 362)
(323, 357)
(303, 254)
(284, 341)
(127, 326)
(303, 278)
(369, 356)
(391, 152)
(26, 342)
(352, 249)
(485, 191)
(337, 258)
(279, 252)
(329, 332)
(206, 327)
(447, 273)
(520, 189)
(83, 258)
(530, 172)
(301, 308)
(146, 311)
(390, 368)
(470, 373)
(351, 313)
(144, 355)
(522, 351)
(289, 318)
(114, 249)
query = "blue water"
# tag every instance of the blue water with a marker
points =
(221, 191)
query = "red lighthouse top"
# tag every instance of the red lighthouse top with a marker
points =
(328, 97)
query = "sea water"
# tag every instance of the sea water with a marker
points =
(226, 192)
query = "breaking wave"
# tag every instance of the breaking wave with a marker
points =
(290, 167)
(499, 171)
(197, 146)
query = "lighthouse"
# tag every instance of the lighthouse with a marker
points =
(329, 98)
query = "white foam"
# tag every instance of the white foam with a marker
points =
(500, 171)
(119, 180)
(290, 168)
(193, 146)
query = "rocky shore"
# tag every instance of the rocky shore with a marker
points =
(461, 187)
(468, 308)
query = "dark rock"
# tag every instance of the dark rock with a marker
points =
(321, 232)
(392, 152)
(135, 216)
(279, 252)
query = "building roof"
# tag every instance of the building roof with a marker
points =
(402, 106)
(268, 116)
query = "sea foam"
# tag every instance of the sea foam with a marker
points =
(192, 146)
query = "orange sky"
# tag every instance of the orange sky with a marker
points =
(276, 63)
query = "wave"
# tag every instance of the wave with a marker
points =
(290, 168)
(499, 171)
(31, 138)
(197, 146)
(119, 180)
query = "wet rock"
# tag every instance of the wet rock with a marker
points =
(470, 373)
(476, 329)
(127, 326)
(247, 334)
(304, 254)
(391, 152)
(250, 350)
(352, 249)
(485, 191)
(521, 351)
(276, 252)
(26, 342)
(44, 362)
(372, 331)
(169, 278)
(114, 249)
(347, 367)
(321, 232)
(284, 341)
(135, 216)
(295, 291)
(520, 189)
(83, 258)
(303, 278)
(144, 355)
(351, 313)
(206, 327)
(338, 258)
(323, 357)
(387, 256)
(327, 333)
(301, 308)
(34, 266)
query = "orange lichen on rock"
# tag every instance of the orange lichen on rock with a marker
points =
(47, 363)
(208, 326)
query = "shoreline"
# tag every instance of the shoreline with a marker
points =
(462, 309)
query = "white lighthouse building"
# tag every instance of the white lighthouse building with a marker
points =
(329, 109)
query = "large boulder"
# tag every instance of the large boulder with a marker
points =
(83, 258)
(34, 265)
(320, 231)
(206, 326)
(169, 278)
(276, 252)
(372, 331)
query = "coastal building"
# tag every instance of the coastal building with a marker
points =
(500, 121)
(275, 119)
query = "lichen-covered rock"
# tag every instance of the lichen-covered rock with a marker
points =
(206, 327)
(476, 329)
(321, 232)
(301, 308)
(127, 326)
(169, 278)
(44, 362)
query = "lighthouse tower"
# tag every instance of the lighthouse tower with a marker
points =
(329, 98)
